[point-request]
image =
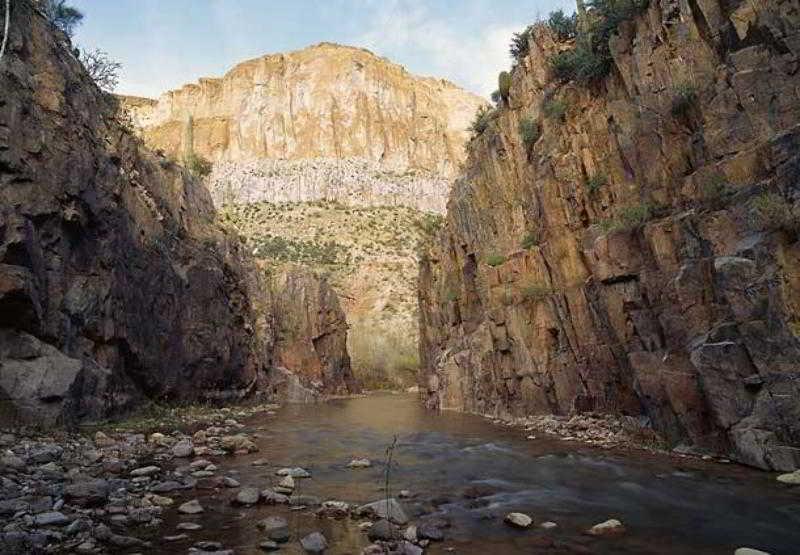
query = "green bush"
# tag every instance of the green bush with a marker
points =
(535, 291)
(591, 59)
(531, 239)
(684, 98)
(451, 295)
(61, 15)
(564, 27)
(504, 85)
(481, 121)
(520, 46)
(772, 212)
(582, 64)
(199, 166)
(554, 109)
(596, 182)
(633, 216)
(529, 132)
(714, 187)
(495, 260)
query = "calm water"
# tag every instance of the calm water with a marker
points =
(668, 505)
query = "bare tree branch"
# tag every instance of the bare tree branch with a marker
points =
(102, 69)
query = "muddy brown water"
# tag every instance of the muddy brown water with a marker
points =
(668, 505)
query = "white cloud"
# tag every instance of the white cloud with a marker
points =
(406, 29)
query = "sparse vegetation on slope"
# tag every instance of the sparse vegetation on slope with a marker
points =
(370, 255)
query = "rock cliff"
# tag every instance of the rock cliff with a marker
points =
(632, 246)
(116, 284)
(328, 122)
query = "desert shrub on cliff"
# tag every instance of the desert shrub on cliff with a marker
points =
(554, 109)
(772, 212)
(590, 59)
(529, 132)
(61, 15)
(520, 45)
(495, 260)
(199, 166)
(535, 291)
(101, 68)
(531, 239)
(563, 26)
(481, 121)
(504, 85)
(683, 99)
(633, 216)
(596, 182)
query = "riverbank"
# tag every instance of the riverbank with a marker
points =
(247, 479)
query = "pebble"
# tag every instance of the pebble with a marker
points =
(247, 496)
(192, 507)
(183, 449)
(269, 545)
(286, 485)
(390, 509)
(53, 518)
(381, 530)
(145, 471)
(176, 538)
(275, 527)
(749, 551)
(296, 472)
(518, 520)
(229, 482)
(360, 463)
(549, 525)
(612, 527)
(314, 542)
(188, 526)
(259, 462)
(792, 478)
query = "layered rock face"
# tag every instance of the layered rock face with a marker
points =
(641, 256)
(325, 101)
(115, 282)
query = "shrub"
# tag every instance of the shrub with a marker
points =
(61, 15)
(101, 68)
(591, 59)
(596, 182)
(714, 187)
(633, 216)
(533, 291)
(199, 166)
(531, 239)
(582, 64)
(684, 98)
(529, 132)
(504, 85)
(563, 26)
(554, 109)
(520, 45)
(772, 212)
(451, 295)
(481, 121)
(495, 260)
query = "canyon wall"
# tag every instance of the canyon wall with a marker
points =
(638, 254)
(116, 283)
(367, 121)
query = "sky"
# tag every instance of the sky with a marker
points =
(163, 44)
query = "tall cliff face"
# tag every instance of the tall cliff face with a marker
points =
(325, 101)
(115, 282)
(642, 255)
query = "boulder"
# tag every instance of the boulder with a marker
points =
(390, 509)
(518, 520)
(314, 542)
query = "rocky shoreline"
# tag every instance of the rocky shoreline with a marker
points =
(141, 484)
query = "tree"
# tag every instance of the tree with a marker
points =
(101, 68)
(61, 15)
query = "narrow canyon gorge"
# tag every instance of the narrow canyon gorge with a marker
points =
(323, 304)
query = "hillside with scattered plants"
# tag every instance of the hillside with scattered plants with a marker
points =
(370, 256)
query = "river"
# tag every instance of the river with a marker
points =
(668, 505)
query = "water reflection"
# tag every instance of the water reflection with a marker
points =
(473, 472)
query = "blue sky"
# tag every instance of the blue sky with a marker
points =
(163, 44)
